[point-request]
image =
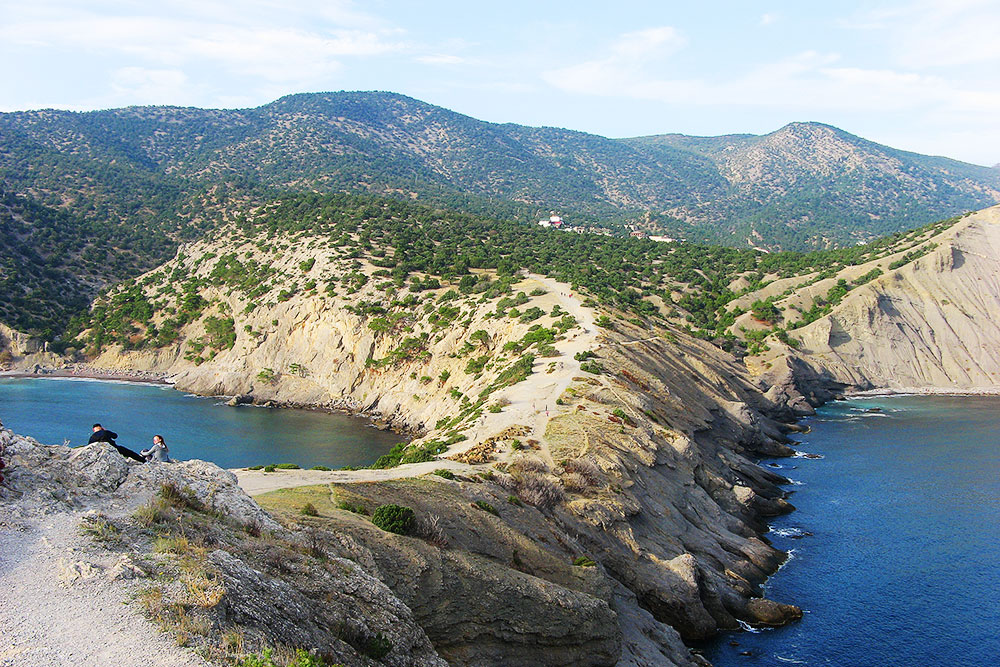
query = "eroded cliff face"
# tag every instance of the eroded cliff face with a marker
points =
(618, 461)
(932, 324)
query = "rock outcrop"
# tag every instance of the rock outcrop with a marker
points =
(932, 324)
(328, 605)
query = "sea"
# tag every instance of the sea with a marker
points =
(895, 542)
(62, 411)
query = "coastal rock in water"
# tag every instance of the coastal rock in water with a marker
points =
(240, 399)
(762, 611)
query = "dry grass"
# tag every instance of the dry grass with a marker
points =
(575, 482)
(586, 469)
(537, 490)
(428, 526)
(155, 511)
(101, 528)
(527, 464)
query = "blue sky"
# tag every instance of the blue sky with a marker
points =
(922, 75)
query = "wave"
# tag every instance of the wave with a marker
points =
(792, 533)
(806, 455)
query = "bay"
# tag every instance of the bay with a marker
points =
(903, 564)
(54, 411)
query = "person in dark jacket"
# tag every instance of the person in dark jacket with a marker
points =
(101, 434)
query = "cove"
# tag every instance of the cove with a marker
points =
(195, 427)
(903, 564)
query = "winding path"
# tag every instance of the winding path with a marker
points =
(532, 404)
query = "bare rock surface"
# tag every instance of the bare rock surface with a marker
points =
(68, 597)
(931, 325)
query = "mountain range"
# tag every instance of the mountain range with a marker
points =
(90, 198)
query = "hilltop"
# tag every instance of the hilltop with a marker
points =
(122, 188)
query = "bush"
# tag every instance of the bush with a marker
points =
(586, 468)
(180, 498)
(377, 647)
(591, 367)
(352, 507)
(309, 510)
(486, 507)
(584, 561)
(447, 474)
(538, 491)
(323, 468)
(575, 482)
(269, 468)
(286, 466)
(393, 519)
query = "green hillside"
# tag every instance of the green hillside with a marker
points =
(92, 198)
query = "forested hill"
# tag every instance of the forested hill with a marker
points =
(92, 198)
(806, 185)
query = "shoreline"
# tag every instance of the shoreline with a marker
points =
(67, 374)
(924, 391)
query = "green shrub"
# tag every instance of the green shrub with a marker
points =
(352, 507)
(286, 466)
(376, 647)
(393, 519)
(323, 468)
(584, 561)
(309, 510)
(591, 367)
(264, 659)
(486, 507)
(181, 498)
(447, 474)
(269, 468)
(514, 500)
(255, 468)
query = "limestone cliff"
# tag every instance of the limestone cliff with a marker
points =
(605, 506)
(931, 324)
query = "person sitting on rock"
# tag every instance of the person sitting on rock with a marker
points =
(100, 434)
(158, 452)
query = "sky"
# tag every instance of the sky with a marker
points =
(921, 75)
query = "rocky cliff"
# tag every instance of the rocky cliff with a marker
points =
(931, 323)
(601, 504)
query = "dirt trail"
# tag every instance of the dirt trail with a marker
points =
(45, 620)
(532, 404)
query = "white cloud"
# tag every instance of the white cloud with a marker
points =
(201, 40)
(768, 19)
(440, 59)
(810, 80)
(937, 33)
(623, 70)
(149, 86)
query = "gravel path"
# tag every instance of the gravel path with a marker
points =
(46, 622)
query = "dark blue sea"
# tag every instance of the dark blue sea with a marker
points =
(903, 564)
(54, 411)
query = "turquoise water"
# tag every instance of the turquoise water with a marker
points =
(903, 565)
(52, 411)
